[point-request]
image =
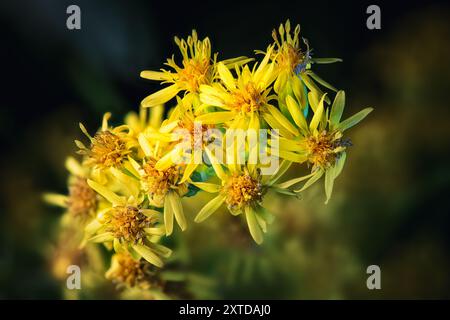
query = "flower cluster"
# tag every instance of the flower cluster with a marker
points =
(129, 187)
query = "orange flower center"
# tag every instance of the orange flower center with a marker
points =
(241, 190)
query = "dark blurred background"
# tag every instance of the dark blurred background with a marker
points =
(390, 206)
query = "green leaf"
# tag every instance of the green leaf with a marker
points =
(332, 173)
(325, 60)
(265, 214)
(337, 108)
(209, 208)
(353, 120)
(329, 181)
(321, 81)
(340, 164)
(314, 178)
(291, 182)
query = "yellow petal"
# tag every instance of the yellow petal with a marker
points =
(156, 115)
(160, 249)
(161, 96)
(274, 124)
(106, 193)
(148, 255)
(103, 237)
(74, 167)
(216, 165)
(261, 68)
(130, 165)
(56, 199)
(168, 160)
(175, 202)
(282, 119)
(145, 145)
(131, 184)
(106, 117)
(155, 231)
(206, 186)
(292, 156)
(226, 76)
(216, 117)
(168, 216)
(190, 168)
(317, 115)
(253, 226)
(209, 208)
(290, 145)
(153, 75)
(297, 115)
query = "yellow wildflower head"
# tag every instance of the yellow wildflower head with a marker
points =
(240, 97)
(128, 223)
(324, 148)
(196, 69)
(128, 272)
(107, 149)
(82, 200)
(157, 183)
(247, 98)
(241, 189)
(288, 54)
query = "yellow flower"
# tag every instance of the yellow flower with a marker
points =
(198, 68)
(294, 65)
(82, 200)
(242, 190)
(163, 188)
(244, 99)
(189, 137)
(320, 143)
(126, 224)
(125, 271)
(109, 147)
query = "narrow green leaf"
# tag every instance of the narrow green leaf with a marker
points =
(325, 60)
(340, 164)
(321, 81)
(209, 208)
(314, 178)
(337, 108)
(353, 120)
(329, 181)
